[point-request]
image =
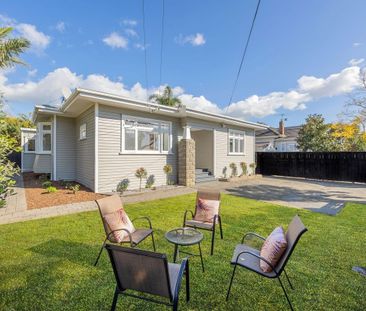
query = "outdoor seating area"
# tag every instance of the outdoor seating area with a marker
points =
(56, 256)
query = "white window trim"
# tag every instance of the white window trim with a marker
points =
(228, 142)
(39, 148)
(24, 142)
(82, 138)
(137, 119)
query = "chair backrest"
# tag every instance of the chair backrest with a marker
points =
(207, 195)
(140, 270)
(293, 234)
(108, 205)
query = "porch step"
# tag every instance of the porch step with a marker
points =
(203, 175)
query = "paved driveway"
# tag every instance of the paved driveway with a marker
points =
(319, 196)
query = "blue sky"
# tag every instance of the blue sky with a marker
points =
(99, 44)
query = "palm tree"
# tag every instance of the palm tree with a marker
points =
(167, 98)
(10, 48)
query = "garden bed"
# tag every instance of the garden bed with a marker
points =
(37, 197)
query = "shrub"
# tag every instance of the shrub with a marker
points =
(150, 181)
(46, 184)
(234, 169)
(74, 188)
(168, 170)
(253, 167)
(63, 183)
(224, 171)
(141, 173)
(51, 189)
(244, 168)
(42, 178)
(123, 185)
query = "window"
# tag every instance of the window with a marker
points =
(29, 142)
(236, 142)
(145, 135)
(45, 137)
(82, 131)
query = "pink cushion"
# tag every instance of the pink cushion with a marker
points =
(273, 248)
(119, 220)
(206, 210)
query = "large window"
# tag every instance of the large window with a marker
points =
(45, 137)
(29, 142)
(140, 135)
(236, 142)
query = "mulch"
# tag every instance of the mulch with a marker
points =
(37, 197)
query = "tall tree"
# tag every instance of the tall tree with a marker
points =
(167, 98)
(348, 136)
(314, 135)
(11, 48)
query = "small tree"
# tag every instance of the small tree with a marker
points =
(244, 168)
(168, 170)
(141, 173)
(234, 169)
(253, 167)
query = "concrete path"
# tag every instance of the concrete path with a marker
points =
(17, 201)
(23, 214)
(319, 196)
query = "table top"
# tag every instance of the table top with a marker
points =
(184, 236)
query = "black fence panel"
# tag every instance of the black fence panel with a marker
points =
(343, 166)
(16, 157)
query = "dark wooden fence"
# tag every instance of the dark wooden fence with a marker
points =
(16, 157)
(344, 166)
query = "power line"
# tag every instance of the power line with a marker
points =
(243, 56)
(162, 42)
(145, 53)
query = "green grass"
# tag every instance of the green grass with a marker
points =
(48, 264)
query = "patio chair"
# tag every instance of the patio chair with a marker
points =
(147, 272)
(205, 225)
(249, 257)
(111, 204)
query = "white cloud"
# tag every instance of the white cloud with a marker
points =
(195, 40)
(32, 72)
(60, 26)
(129, 22)
(356, 62)
(131, 32)
(115, 40)
(308, 89)
(356, 44)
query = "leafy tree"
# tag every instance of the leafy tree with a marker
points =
(10, 126)
(349, 136)
(11, 48)
(167, 98)
(314, 135)
(140, 174)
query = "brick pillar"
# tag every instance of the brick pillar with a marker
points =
(186, 162)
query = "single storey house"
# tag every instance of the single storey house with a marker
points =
(100, 139)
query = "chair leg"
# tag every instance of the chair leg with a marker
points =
(187, 282)
(213, 239)
(100, 253)
(199, 247)
(231, 283)
(288, 300)
(288, 279)
(115, 297)
(221, 233)
(153, 241)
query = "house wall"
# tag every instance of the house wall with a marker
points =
(42, 164)
(204, 149)
(65, 148)
(27, 161)
(85, 149)
(114, 167)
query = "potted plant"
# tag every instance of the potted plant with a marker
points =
(140, 174)
(168, 170)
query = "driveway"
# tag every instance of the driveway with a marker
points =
(318, 196)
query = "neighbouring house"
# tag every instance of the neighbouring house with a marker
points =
(99, 139)
(283, 139)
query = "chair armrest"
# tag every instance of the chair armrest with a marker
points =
(143, 217)
(184, 267)
(252, 234)
(128, 232)
(185, 216)
(258, 256)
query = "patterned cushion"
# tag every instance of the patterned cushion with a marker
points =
(273, 248)
(119, 220)
(206, 210)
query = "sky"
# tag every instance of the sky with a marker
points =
(304, 57)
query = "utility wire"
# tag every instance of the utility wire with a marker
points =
(145, 53)
(162, 42)
(243, 56)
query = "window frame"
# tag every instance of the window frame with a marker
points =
(25, 140)
(231, 135)
(40, 134)
(160, 150)
(80, 131)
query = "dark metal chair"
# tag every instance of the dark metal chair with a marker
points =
(111, 204)
(147, 272)
(210, 226)
(249, 257)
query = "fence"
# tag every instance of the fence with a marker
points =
(344, 166)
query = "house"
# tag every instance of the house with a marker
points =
(281, 139)
(99, 139)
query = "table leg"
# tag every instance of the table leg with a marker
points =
(175, 252)
(199, 247)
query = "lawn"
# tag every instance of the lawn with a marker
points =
(48, 264)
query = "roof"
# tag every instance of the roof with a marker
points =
(85, 98)
(290, 132)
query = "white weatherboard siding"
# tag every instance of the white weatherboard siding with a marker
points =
(27, 161)
(42, 164)
(65, 149)
(114, 167)
(85, 149)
